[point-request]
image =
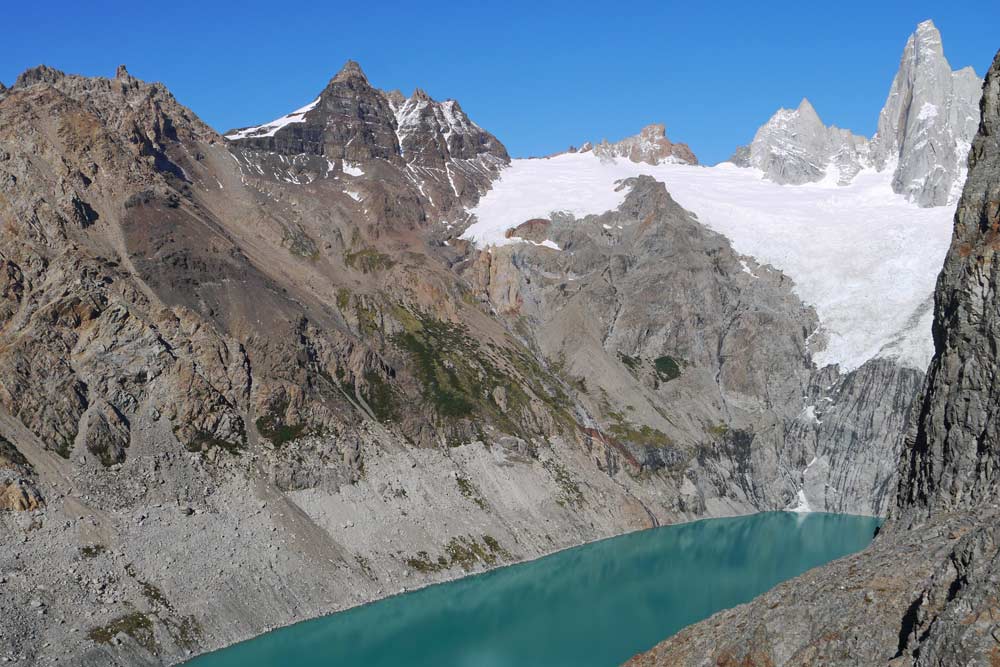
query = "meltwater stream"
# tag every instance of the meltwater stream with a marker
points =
(591, 606)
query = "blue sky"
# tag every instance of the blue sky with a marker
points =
(539, 75)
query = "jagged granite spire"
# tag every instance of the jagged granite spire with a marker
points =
(924, 131)
(795, 147)
(927, 122)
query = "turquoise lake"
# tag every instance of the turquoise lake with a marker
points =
(590, 606)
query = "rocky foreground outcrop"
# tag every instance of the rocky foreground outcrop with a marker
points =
(926, 591)
(924, 131)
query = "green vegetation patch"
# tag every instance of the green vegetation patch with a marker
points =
(273, 427)
(152, 593)
(92, 550)
(632, 363)
(460, 377)
(449, 380)
(462, 551)
(343, 298)
(136, 625)
(667, 368)
(203, 441)
(570, 494)
(380, 397)
(11, 455)
(644, 436)
(468, 489)
(718, 431)
(368, 260)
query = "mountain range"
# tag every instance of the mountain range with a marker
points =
(255, 377)
(924, 132)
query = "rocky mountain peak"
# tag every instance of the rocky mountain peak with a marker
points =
(795, 147)
(923, 135)
(927, 40)
(432, 133)
(349, 120)
(650, 146)
(39, 74)
(420, 95)
(928, 121)
(351, 71)
(806, 109)
(354, 122)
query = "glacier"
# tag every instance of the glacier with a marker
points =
(863, 256)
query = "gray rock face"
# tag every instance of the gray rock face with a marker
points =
(351, 126)
(927, 122)
(923, 135)
(443, 148)
(749, 424)
(925, 593)
(951, 461)
(431, 133)
(350, 120)
(795, 147)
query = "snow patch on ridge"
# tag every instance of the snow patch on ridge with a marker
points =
(863, 256)
(269, 129)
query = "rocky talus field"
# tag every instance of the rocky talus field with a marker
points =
(256, 377)
(927, 591)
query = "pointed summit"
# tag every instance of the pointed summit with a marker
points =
(922, 128)
(928, 35)
(806, 108)
(795, 147)
(924, 131)
(420, 95)
(351, 71)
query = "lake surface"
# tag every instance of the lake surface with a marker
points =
(590, 606)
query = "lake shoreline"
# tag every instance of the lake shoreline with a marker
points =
(450, 578)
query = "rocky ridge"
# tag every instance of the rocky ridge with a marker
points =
(924, 131)
(925, 592)
(650, 146)
(795, 147)
(450, 158)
